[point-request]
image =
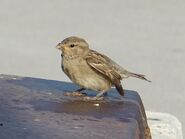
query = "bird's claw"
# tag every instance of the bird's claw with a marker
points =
(75, 94)
(93, 98)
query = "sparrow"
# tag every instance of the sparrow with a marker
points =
(91, 69)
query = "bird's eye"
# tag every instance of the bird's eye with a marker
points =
(72, 45)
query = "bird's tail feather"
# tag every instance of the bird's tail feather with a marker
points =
(140, 76)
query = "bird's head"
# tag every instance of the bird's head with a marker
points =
(73, 46)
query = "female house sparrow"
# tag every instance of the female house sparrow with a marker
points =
(90, 69)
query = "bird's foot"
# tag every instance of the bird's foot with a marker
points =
(93, 98)
(75, 94)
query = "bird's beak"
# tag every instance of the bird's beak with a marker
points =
(59, 46)
(62, 47)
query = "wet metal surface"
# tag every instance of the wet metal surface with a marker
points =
(36, 108)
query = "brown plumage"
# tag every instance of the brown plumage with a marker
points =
(90, 69)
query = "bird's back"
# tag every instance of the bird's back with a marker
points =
(109, 63)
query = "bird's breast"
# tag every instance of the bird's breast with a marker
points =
(82, 74)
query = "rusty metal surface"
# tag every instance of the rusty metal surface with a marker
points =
(33, 108)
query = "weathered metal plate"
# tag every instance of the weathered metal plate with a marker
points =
(34, 108)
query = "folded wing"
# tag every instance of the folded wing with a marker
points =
(106, 67)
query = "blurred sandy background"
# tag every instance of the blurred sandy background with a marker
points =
(146, 37)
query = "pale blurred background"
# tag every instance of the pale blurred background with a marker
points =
(146, 37)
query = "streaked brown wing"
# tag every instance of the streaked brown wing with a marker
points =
(104, 65)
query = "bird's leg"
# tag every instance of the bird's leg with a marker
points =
(76, 93)
(99, 96)
(79, 90)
